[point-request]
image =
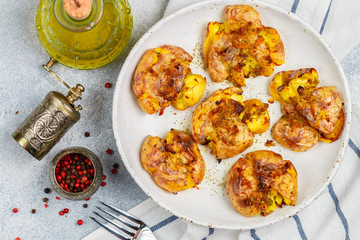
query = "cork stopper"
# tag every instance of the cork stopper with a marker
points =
(78, 9)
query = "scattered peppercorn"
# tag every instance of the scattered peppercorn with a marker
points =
(103, 184)
(80, 222)
(33, 211)
(47, 190)
(61, 213)
(109, 151)
(104, 177)
(15, 210)
(17, 238)
(45, 199)
(108, 85)
(85, 205)
(16, 112)
(116, 165)
(66, 210)
(87, 134)
(113, 171)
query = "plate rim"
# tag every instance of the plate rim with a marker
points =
(308, 200)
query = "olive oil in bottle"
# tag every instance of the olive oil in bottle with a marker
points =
(84, 34)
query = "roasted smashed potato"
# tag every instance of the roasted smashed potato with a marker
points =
(294, 132)
(321, 108)
(241, 47)
(218, 122)
(256, 116)
(289, 86)
(307, 108)
(236, 18)
(261, 182)
(176, 164)
(159, 78)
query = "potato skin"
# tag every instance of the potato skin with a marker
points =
(252, 179)
(241, 47)
(217, 122)
(294, 132)
(159, 77)
(240, 16)
(176, 163)
(321, 108)
(336, 133)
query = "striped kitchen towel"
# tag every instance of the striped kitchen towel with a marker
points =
(334, 215)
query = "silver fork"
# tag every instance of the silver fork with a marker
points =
(137, 229)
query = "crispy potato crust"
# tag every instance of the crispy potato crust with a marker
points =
(240, 16)
(294, 132)
(176, 163)
(298, 94)
(159, 78)
(241, 47)
(336, 133)
(321, 108)
(218, 122)
(260, 182)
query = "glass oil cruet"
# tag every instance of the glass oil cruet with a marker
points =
(84, 34)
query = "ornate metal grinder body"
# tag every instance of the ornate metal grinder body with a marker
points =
(49, 121)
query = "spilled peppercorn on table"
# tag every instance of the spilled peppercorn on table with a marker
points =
(30, 208)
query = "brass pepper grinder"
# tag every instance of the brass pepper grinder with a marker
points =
(50, 120)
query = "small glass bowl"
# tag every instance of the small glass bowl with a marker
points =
(92, 188)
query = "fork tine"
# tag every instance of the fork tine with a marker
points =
(116, 225)
(116, 217)
(129, 216)
(119, 235)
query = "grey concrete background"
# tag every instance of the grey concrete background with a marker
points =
(23, 85)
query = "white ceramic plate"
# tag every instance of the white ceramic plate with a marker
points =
(209, 205)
